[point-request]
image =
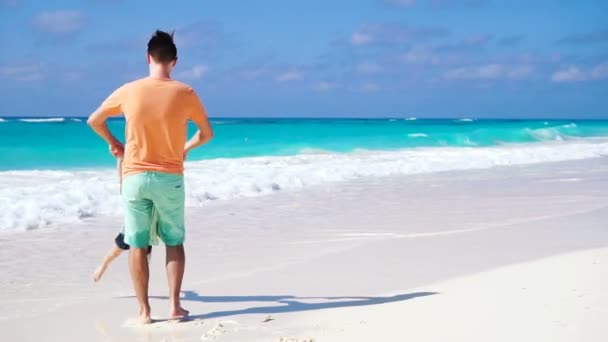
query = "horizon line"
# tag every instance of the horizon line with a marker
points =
(412, 117)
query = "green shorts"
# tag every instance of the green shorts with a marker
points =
(146, 193)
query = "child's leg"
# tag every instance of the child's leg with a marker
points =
(112, 254)
(120, 242)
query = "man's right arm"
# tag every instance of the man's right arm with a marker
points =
(198, 115)
(97, 121)
(111, 106)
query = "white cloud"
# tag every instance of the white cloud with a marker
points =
(59, 22)
(468, 43)
(420, 55)
(476, 40)
(288, 76)
(489, 72)
(576, 74)
(438, 4)
(591, 37)
(256, 70)
(71, 76)
(361, 38)
(205, 34)
(195, 73)
(600, 71)
(369, 88)
(393, 34)
(571, 74)
(400, 3)
(369, 68)
(519, 72)
(324, 86)
(253, 74)
(23, 72)
(9, 3)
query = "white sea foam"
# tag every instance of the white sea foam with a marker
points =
(465, 120)
(2, 120)
(315, 151)
(468, 142)
(417, 135)
(411, 119)
(43, 120)
(545, 134)
(37, 199)
(76, 120)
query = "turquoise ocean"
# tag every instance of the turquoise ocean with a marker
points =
(68, 143)
(55, 171)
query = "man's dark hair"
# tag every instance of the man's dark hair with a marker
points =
(162, 48)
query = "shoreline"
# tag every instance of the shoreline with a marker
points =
(37, 199)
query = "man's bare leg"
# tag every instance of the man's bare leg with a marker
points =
(176, 262)
(140, 275)
(107, 260)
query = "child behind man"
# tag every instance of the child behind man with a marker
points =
(120, 245)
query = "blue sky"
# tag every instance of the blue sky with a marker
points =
(338, 58)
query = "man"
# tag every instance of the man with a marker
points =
(157, 109)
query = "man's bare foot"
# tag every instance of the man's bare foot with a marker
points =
(144, 316)
(179, 314)
(99, 272)
(145, 320)
(137, 321)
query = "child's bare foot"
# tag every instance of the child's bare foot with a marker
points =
(179, 313)
(99, 272)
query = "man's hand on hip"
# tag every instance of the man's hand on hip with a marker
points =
(117, 149)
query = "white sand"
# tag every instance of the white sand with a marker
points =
(509, 254)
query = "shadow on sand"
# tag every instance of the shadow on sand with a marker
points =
(286, 303)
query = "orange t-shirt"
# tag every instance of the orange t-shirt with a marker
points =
(157, 113)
